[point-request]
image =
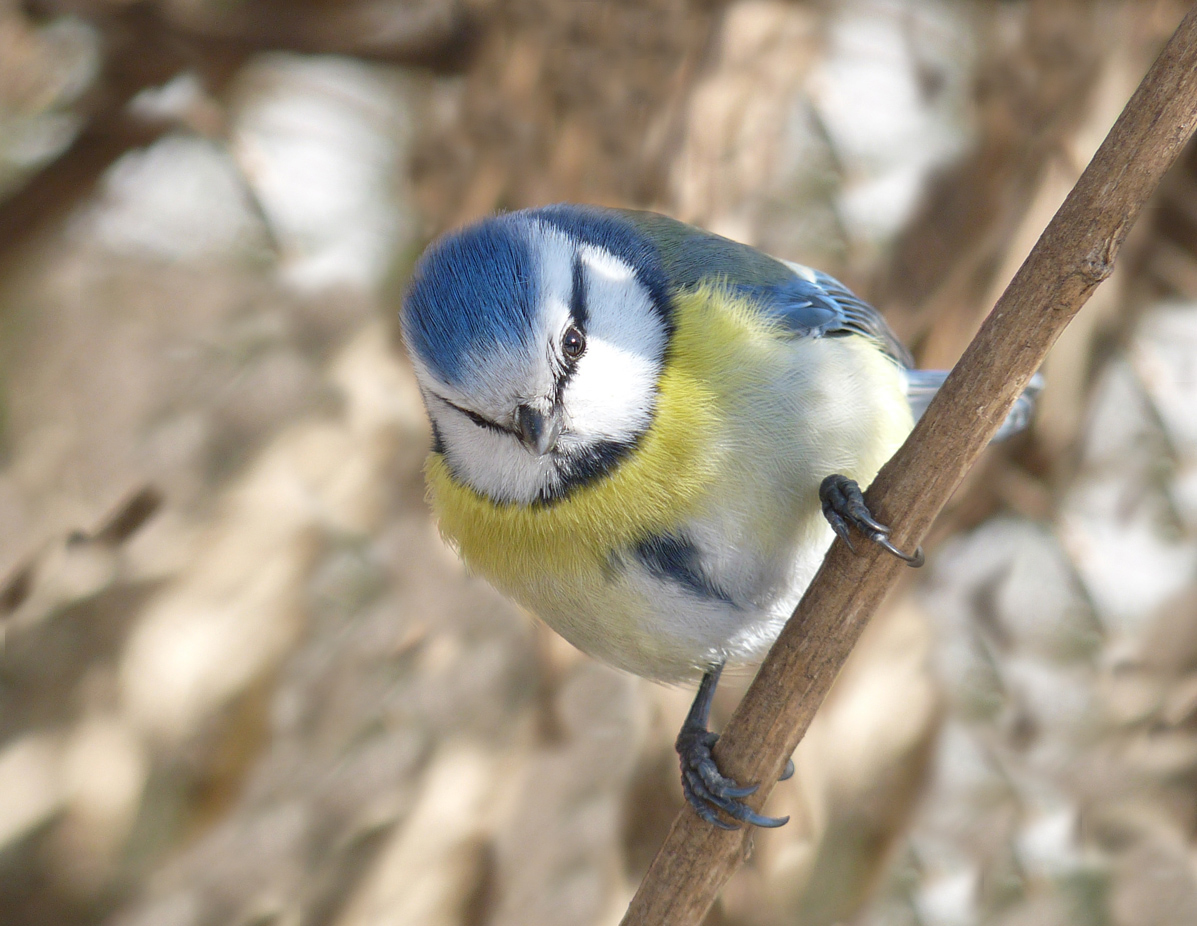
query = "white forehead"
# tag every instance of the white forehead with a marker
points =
(555, 253)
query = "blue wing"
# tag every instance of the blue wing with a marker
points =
(806, 302)
(818, 305)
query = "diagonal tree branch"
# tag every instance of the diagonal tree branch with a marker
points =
(1074, 254)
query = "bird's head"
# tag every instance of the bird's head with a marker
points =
(538, 339)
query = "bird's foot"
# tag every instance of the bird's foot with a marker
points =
(708, 790)
(844, 507)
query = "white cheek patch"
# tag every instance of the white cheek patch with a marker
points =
(621, 310)
(612, 392)
(493, 462)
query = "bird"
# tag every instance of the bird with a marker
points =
(649, 435)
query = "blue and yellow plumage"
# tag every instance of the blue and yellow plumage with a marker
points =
(639, 428)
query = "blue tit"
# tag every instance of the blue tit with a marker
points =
(646, 434)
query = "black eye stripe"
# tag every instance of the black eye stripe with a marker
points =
(480, 420)
(577, 297)
(573, 342)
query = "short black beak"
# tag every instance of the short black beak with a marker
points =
(539, 432)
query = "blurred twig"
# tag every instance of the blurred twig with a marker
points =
(1074, 254)
(137, 54)
(144, 45)
(1030, 98)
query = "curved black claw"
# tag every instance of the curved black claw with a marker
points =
(844, 507)
(706, 788)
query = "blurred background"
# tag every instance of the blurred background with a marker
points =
(243, 682)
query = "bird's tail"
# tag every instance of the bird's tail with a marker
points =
(921, 386)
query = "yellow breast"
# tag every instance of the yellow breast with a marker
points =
(532, 552)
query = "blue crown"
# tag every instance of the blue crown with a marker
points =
(472, 290)
(478, 288)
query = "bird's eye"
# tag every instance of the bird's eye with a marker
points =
(573, 345)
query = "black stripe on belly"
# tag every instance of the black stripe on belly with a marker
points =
(677, 559)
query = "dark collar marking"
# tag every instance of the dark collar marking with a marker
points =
(579, 468)
(593, 462)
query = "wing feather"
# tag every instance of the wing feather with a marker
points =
(807, 302)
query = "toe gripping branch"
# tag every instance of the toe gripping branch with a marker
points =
(706, 788)
(844, 507)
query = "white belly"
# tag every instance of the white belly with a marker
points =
(837, 406)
